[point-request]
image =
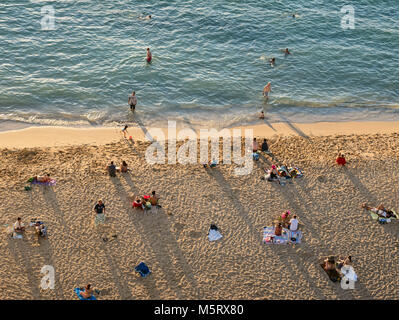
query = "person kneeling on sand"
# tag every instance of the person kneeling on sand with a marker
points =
(265, 147)
(137, 204)
(340, 160)
(87, 292)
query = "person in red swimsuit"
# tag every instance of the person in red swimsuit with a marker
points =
(149, 55)
(340, 159)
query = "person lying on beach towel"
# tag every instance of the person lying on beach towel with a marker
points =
(381, 211)
(330, 267)
(283, 172)
(85, 293)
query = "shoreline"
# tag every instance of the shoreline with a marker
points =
(52, 136)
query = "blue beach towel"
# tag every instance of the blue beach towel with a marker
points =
(78, 291)
(142, 269)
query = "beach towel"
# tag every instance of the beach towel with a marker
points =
(78, 293)
(214, 234)
(287, 236)
(51, 183)
(349, 273)
(383, 220)
(142, 269)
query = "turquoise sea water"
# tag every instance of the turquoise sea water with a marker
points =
(210, 61)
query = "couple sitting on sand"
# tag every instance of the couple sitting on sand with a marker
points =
(112, 169)
(264, 146)
(146, 202)
(335, 269)
(288, 221)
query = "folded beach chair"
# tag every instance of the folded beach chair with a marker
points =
(78, 293)
(142, 269)
(214, 233)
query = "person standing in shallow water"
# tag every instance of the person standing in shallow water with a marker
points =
(149, 56)
(132, 101)
(266, 90)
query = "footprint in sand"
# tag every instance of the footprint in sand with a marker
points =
(179, 227)
(321, 179)
(195, 234)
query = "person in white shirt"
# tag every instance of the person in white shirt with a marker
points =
(294, 224)
(19, 226)
(133, 101)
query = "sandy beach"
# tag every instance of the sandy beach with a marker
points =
(173, 241)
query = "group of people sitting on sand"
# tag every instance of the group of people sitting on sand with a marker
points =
(286, 221)
(146, 202)
(19, 228)
(274, 173)
(112, 169)
(334, 267)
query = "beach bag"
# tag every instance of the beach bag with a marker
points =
(255, 156)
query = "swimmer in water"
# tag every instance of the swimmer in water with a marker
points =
(266, 90)
(286, 51)
(272, 62)
(149, 55)
(262, 115)
(148, 17)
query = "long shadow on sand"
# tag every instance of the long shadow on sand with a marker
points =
(225, 186)
(158, 241)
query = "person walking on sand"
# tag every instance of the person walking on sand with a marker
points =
(124, 131)
(149, 56)
(266, 90)
(132, 101)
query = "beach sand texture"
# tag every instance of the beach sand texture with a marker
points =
(172, 240)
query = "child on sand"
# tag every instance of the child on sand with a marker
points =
(340, 160)
(124, 131)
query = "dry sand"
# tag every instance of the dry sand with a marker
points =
(173, 240)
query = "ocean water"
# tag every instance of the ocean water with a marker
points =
(210, 62)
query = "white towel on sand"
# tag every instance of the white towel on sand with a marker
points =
(214, 235)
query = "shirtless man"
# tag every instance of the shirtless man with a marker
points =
(266, 90)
